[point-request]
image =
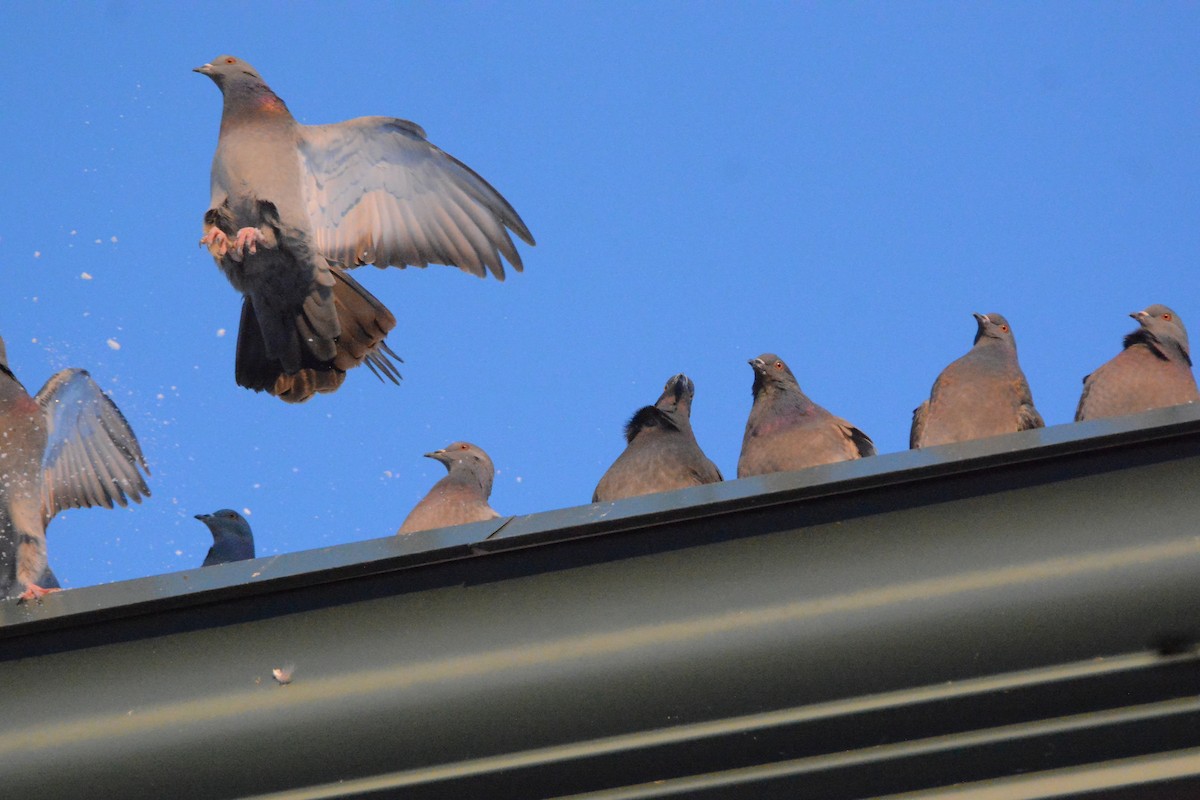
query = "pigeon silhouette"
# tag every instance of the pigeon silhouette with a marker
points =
(982, 394)
(661, 451)
(293, 206)
(786, 431)
(461, 496)
(1154, 370)
(232, 538)
(67, 447)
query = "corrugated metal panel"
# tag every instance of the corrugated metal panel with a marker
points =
(1012, 615)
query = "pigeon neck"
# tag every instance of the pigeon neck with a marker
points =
(1166, 349)
(993, 348)
(465, 476)
(252, 101)
(783, 397)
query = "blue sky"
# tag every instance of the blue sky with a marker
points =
(842, 184)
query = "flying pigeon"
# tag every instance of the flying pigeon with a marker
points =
(67, 447)
(982, 394)
(294, 206)
(232, 539)
(661, 453)
(1154, 370)
(786, 431)
(461, 496)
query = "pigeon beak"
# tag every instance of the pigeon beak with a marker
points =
(203, 517)
(980, 318)
(204, 69)
(758, 364)
(1139, 315)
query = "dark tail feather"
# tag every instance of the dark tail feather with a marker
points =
(364, 323)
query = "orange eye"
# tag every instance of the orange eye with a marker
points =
(1167, 317)
(231, 61)
(1004, 328)
(462, 447)
(778, 365)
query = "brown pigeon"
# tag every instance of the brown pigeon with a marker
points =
(982, 394)
(1154, 370)
(786, 431)
(461, 496)
(68, 447)
(294, 205)
(661, 453)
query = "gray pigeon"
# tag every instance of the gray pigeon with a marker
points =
(661, 452)
(232, 539)
(786, 431)
(294, 205)
(461, 496)
(982, 394)
(68, 447)
(1154, 370)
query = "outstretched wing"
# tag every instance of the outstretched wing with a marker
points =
(378, 193)
(92, 456)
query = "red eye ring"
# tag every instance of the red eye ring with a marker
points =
(778, 365)
(1167, 317)
(231, 60)
(1004, 328)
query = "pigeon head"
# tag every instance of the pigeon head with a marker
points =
(463, 459)
(993, 326)
(1162, 327)
(226, 70)
(770, 372)
(226, 523)
(243, 88)
(677, 395)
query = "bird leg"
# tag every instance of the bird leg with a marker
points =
(34, 592)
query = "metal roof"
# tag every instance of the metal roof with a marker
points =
(1008, 618)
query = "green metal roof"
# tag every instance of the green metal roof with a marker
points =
(1013, 617)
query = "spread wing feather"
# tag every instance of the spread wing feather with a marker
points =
(377, 192)
(92, 456)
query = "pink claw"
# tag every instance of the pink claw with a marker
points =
(216, 241)
(247, 237)
(34, 592)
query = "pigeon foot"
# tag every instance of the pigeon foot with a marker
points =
(216, 241)
(247, 237)
(35, 592)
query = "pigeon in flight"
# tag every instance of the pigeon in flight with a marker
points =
(232, 539)
(982, 394)
(661, 451)
(67, 447)
(786, 431)
(1154, 370)
(294, 206)
(461, 496)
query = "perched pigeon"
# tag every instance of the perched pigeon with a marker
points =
(232, 539)
(68, 447)
(293, 205)
(461, 496)
(982, 394)
(1153, 371)
(661, 452)
(787, 431)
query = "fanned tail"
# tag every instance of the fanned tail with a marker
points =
(364, 322)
